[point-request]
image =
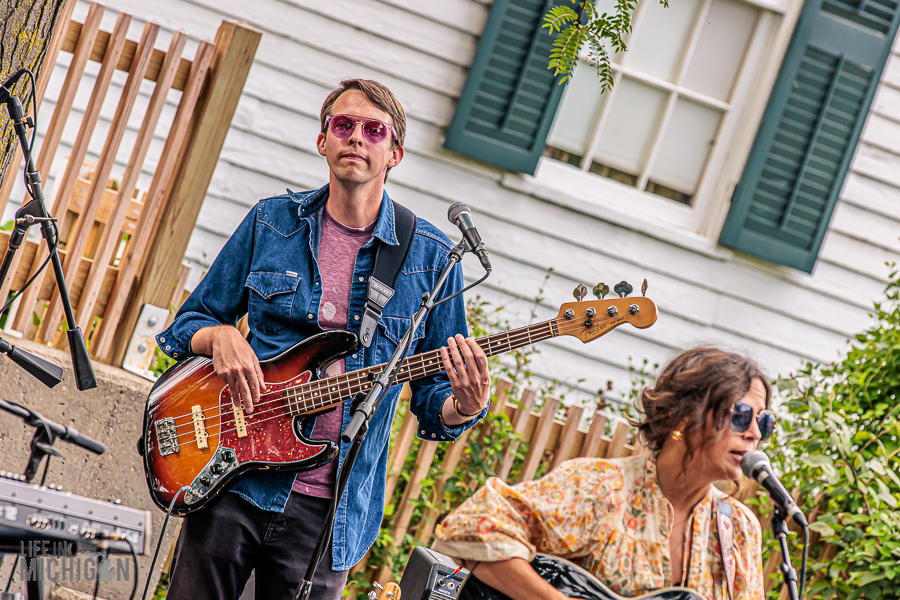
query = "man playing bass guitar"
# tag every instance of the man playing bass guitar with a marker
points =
(640, 523)
(299, 264)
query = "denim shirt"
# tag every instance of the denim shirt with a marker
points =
(268, 269)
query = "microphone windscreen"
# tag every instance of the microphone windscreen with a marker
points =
(460, 208)
(753, 460)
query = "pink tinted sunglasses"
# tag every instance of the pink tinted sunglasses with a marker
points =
(372, 129)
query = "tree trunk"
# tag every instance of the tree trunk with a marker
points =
(26, 28)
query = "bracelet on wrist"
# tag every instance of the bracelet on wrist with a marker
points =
(461, 414)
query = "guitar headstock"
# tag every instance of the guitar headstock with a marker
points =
(589, 319)
(389, 592)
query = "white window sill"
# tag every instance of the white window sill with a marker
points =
(607, 203)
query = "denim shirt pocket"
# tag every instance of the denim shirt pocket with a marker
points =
(270, 305)
(392, 330)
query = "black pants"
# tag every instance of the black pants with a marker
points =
(219, 546)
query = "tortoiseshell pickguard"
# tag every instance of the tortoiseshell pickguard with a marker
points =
(270, 432)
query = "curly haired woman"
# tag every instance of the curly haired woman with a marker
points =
(639, 523)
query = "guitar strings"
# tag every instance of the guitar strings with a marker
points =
(276, 409)
(518, 335)
(278, 394)
(279, 406)
(415, 372)
(430, 356)
(567, 327)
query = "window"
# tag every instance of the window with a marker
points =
(665, 126)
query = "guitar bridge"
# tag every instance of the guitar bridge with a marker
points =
(166, 436)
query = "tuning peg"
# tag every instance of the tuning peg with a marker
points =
(644, 288)
(580, 292)
(374, 595)
(623, 288)
(601, 290)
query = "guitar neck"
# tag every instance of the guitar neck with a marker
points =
(325, 393)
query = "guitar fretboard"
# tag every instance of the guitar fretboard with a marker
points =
(324, 393)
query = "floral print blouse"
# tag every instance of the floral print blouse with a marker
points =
(610, 517)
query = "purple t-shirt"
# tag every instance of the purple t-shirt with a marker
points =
(338, 247)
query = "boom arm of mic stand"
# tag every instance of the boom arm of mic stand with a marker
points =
(81, 362)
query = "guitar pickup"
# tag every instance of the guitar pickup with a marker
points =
(240, 423)
(200, 433)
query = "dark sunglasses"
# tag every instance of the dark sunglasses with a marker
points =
(742, 415)
(372, 129)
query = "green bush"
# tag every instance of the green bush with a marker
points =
(838, 448)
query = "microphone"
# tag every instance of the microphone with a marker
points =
(62, 432)
(461, 215)
(755, 465)
(46, 372)
(5, 94)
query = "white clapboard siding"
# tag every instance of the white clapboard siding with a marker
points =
(422, 50)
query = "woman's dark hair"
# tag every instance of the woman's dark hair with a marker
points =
(697, 383)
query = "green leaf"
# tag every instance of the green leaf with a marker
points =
(821, 528)
(838, 419)
(817, 460)
(815, 410)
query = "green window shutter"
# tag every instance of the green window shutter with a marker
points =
(781, 208)
(510, 96)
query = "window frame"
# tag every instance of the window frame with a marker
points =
(740, 119)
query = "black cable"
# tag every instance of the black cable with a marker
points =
(33, 130)
(465, 289)
(803, 565)
(134, 558)
(31, 193)
(46, 467)
(36, 273)
(162, 534)
(100, 558)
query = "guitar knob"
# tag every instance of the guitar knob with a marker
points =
(218, 469)
(228, 456)
(205, 480)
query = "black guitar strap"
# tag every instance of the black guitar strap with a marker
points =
(388, 262)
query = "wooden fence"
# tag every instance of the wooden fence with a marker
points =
(121, 249)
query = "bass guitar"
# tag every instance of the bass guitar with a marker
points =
(194, 436)
(572, 581)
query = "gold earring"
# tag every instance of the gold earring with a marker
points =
(677, 435)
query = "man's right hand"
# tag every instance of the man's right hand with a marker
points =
(233, 360)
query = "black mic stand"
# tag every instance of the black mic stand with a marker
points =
(35, 211)
(779, 528)
(364, 406)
